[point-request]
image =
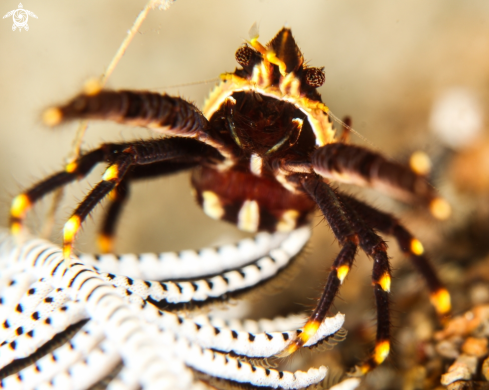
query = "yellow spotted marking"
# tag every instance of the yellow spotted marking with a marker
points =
(417, 247)
(441, 301)
(420, 163)
(288, 221)
(381, 352)
(385, 282)
(20, 205)
(105, 243)
(92, 87)
(212, 205)
(71, 167)
(52, 116)
(249, 216)
(440, 208)
(342, 272)
(112, 173)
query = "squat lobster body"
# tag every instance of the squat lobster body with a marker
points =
(263, 152)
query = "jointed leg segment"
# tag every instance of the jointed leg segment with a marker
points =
(118, 196)
(412, 247)
(351, 231)
(123, 158)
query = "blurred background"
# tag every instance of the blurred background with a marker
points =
(406, 72)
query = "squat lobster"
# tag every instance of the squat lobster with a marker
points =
(262, 155)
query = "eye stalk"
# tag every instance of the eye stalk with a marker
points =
(314, 77)
(247, 57)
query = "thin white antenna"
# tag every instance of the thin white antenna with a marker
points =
(188, 84)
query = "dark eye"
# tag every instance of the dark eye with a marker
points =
(314, 77)
(244, 56)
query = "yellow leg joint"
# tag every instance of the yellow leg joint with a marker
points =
(420, 163)
(416, 247)
(112, 173)
(70, 228)
(441, 301)
(385, 282)
(440, 208)
(92, 87)
(342, 272)
(71, 167)
(381, 352)
(20, 205)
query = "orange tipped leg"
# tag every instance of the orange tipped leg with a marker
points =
(412, 247)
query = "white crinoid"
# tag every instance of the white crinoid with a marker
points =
(109, 319)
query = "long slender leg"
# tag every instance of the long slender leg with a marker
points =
(339, 270)
(353, 164)
(329, 204)
(118, 196)
(166, 114)
(195, 151)
(386, 223)
(76, 170)
(136, 154)
(340, 215)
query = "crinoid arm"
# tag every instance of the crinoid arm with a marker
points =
(66, 324)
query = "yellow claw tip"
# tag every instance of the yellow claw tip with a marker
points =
(309, 330)
(385, 282)
(441, 301)
(440, 208)
(92, 87)
(417, 247)
(364, 369)
(67, 251)
(289, 350)
(420, 163)
(70, 229)
(15, 228)
(20, 204)
(381, 352)
(105, 243)
(52, 116)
